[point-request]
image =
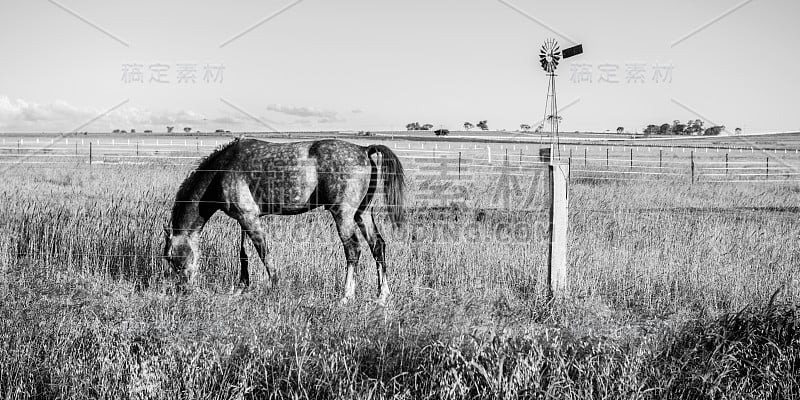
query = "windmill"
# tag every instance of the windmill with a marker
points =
(549, 56)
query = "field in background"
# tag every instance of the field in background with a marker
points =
(677, 289)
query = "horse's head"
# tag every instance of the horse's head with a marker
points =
(181, 252)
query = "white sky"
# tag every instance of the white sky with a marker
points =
(379, 64)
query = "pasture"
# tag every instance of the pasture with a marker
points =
(678, 287)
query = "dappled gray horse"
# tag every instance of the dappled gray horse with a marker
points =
(249, 178)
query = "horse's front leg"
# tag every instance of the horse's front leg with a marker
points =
(244, 261)
(251, 224)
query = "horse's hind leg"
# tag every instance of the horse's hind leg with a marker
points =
(244, 273)
(252, 225)
(378, 247)
(345, 225)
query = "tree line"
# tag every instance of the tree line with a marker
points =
(416, 126)
(691, 127)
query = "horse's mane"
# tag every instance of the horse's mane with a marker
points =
(210, 164)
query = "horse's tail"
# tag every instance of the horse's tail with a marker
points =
(393, 181)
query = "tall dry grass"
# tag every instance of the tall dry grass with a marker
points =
(668, 292)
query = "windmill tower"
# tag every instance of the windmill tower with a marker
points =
(549, 56)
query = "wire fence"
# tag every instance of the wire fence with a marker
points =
(459, 159)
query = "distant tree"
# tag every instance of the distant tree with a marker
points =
(651, 129)
(426, 127)
(468, 125)
(539, 128)
(714, 130)
(620, 129)
(115, 131)
(525, 127)
(664, 129)
(187, 129)
(133, 130)
(170, 128)
(679, 129)
(414, 126)
(694, 127)
(441, 132)
(484, 125)
(738, 131)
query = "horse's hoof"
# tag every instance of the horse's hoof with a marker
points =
(239, 289)
(382, 301)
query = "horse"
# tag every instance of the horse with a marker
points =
(249, 178)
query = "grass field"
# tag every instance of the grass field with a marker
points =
(676, 291)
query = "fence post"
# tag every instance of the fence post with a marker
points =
(18, 146)
(660, 151)
(520, 156)
(692, 165)
(137, 149)
(585, 160)
(569, 167)
(726, 163)
(559, 210)
(606, 156)
(90, 153)
(767, 177)
(459, 165)
(631, 159)
(76, 147)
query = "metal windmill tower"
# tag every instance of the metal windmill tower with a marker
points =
(549, 56)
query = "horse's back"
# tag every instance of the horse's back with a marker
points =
(287, 178)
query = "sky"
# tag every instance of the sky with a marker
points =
(289, 65)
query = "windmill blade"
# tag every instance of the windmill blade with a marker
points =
(572, 51)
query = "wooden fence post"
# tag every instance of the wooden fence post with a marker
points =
(459, 165)
(631, 159)
(606, 156)
(726, 163)
(692, 166)
(767, 177)
(90, 153)
(569, 167)
(559, 210)
(660, 151)
(585, 160)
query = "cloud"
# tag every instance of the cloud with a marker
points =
(17, 115)
(322, 116)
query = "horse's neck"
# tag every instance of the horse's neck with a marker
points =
(193, 209)
(186, 217)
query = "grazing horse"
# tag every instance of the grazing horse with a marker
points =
(249, 178)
